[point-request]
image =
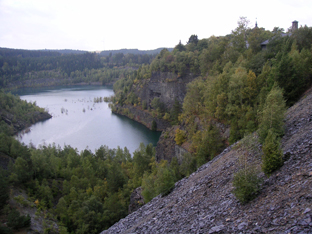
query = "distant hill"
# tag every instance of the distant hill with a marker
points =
(8, 52)
(112, 52)
(132, 51)
(68, 51)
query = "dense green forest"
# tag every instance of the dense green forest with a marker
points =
(22, 67)
(238, 84)
(84, 192)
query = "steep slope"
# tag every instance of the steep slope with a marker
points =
(168, 87)
(204, 203)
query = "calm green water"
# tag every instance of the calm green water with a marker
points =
(79, 122)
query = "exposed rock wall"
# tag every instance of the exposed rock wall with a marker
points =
(165, 148)
(141, 116)
(166, 86)
(179, 152)
(204, 203)
(136, 200)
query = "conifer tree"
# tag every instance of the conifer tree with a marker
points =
(273, 156)
(273, 114)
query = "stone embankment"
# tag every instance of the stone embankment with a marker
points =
(204, 203)
(141, 116)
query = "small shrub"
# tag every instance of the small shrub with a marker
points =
(247, 185)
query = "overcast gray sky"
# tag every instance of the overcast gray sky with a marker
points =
(96, 25)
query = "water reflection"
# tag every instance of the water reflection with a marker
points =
(81, 122)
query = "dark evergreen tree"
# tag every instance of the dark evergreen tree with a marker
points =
(288, 79)
(179, 47)
(193, 39)
(17, 221)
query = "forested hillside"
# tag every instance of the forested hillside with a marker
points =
(204, 202)
(16, 114)
(234, 79)
(241, 90)
(27, 68)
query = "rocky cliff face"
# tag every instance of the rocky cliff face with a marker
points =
(136, 200)
(166, 86)
(141, 116)
(204, 203)
(165, 148)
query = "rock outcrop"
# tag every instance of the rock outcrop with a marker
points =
(18, 124)
(204, 203)
(166, 86)
(165, 148)
(141, 116)
(136, 200)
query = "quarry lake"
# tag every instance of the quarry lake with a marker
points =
(80, 122)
